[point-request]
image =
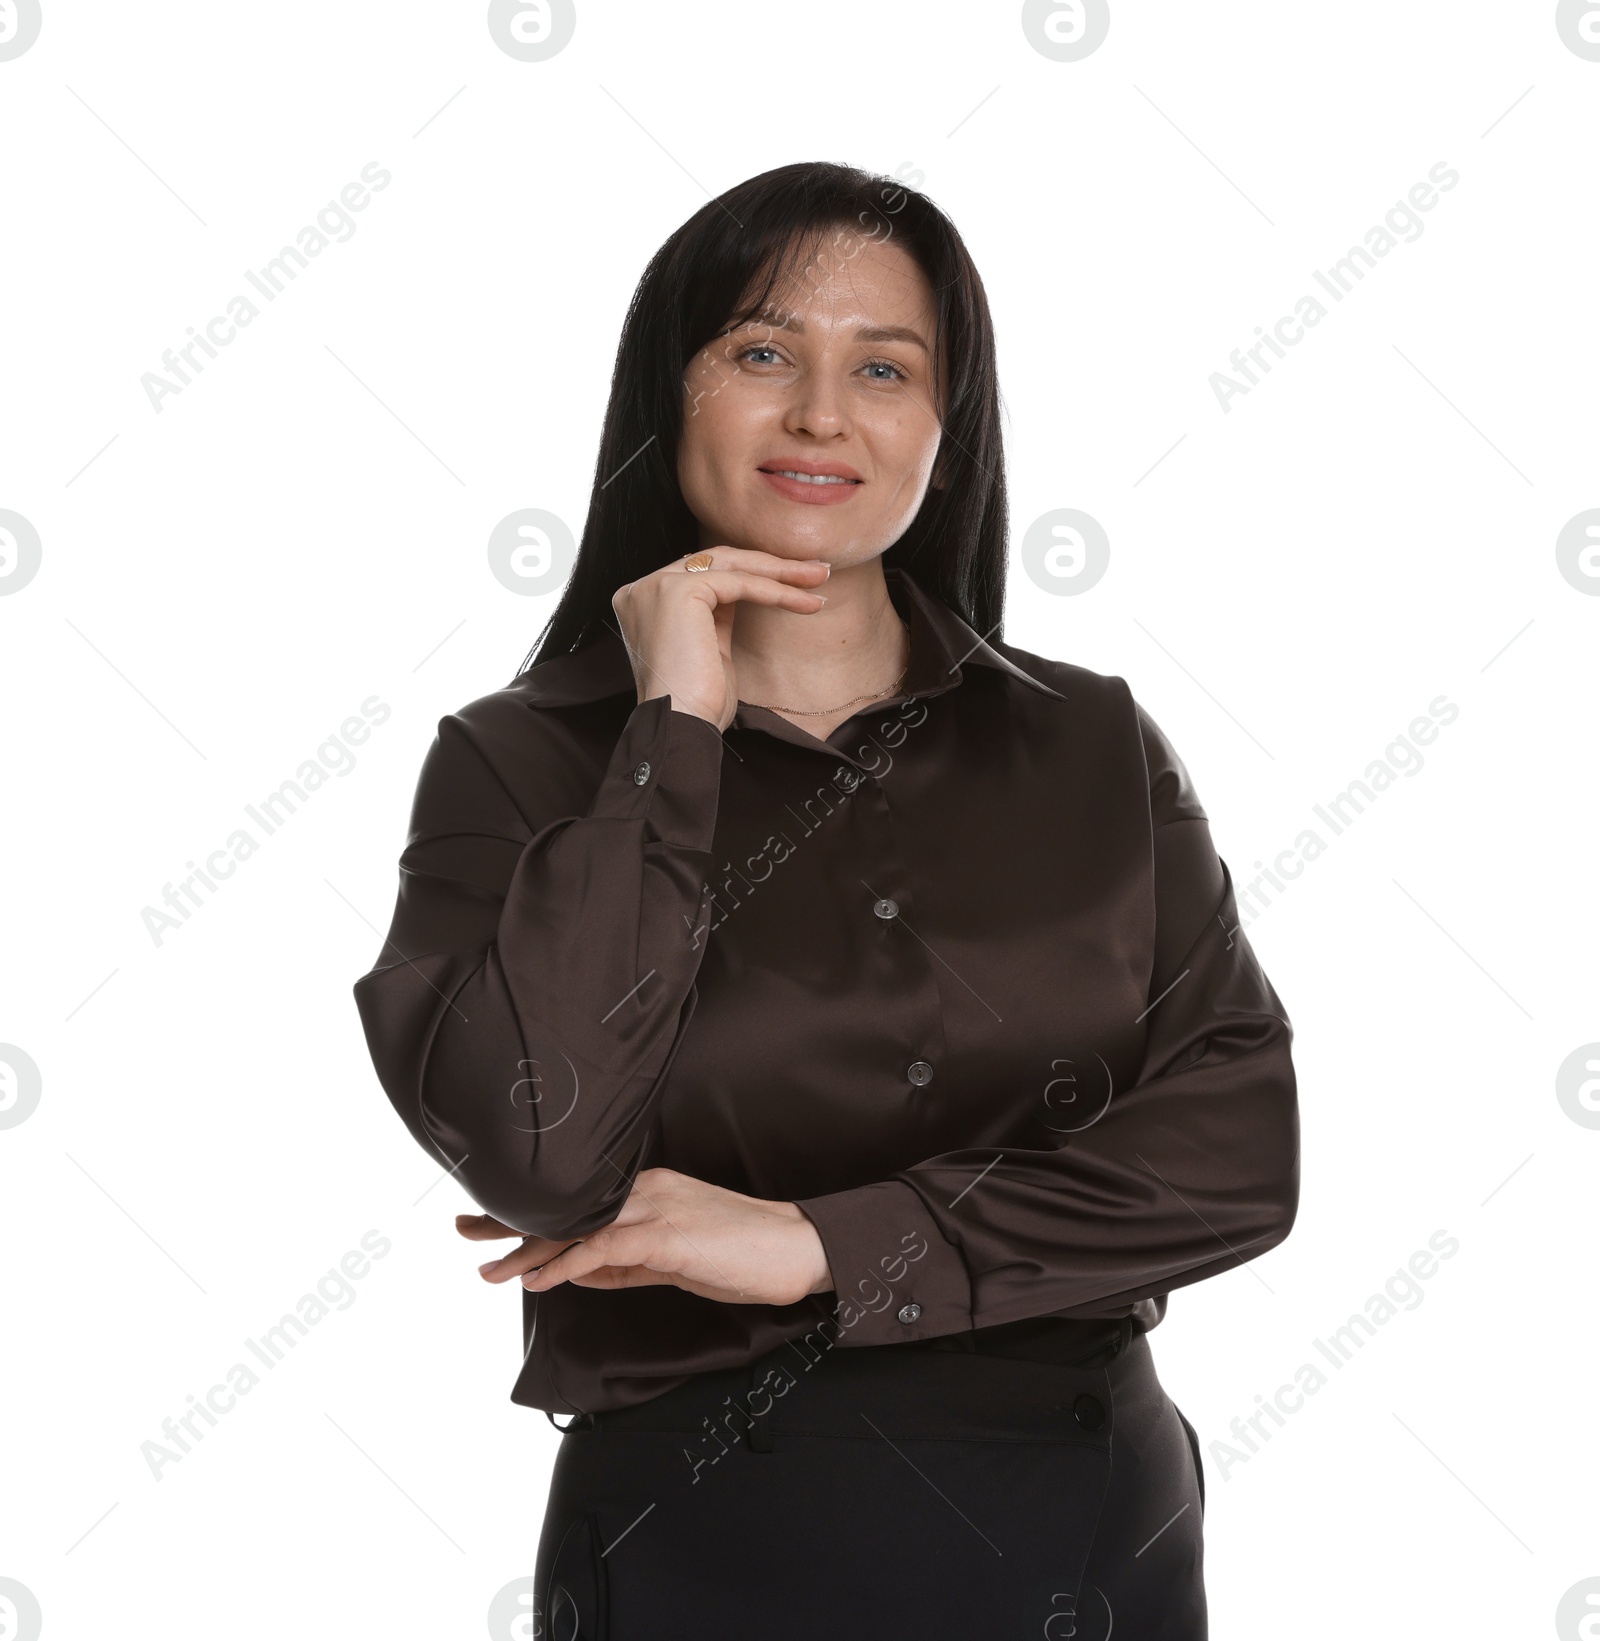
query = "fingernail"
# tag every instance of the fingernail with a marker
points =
(483, 1270)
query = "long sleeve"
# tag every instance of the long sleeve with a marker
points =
(1190, 1170)
(539, 970)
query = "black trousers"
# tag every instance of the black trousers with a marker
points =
(873, 1493)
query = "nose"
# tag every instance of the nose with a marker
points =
(818, 404)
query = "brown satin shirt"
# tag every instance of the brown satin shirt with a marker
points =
(964, 981)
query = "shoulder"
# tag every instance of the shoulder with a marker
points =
(555, 703)
(1123, 720)
(1082, 687)
(502, 720)
(515, 757)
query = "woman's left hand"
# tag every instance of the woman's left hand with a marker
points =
(674, 1229)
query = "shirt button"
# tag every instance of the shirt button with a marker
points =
(887, 908)
(909, 1313)
(920, 1072)
(641, 774)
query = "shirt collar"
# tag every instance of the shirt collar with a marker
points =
(941, 644)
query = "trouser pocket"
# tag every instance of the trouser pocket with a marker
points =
(570, 1598)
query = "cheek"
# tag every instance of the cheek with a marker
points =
(721, 439)
(702, 460)
(909, 454)
(708, 478)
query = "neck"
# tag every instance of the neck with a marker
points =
(854, 645)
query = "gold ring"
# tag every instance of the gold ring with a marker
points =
(697, 561)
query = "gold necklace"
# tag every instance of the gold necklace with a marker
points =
(822, 712)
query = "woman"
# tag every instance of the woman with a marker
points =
(846, 1008)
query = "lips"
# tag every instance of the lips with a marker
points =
(803, 471)
(807, 478)
(812, 484)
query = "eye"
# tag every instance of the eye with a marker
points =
(755, 347)
(887, 364)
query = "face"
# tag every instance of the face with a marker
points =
(834, 380)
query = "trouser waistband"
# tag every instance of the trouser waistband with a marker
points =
(1067, 1343)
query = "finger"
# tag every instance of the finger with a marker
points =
(621, 1276)
(608, 1247)
(756, 561)
(740, 586)
(641, 1276)
(533, 1253)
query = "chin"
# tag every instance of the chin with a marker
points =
(779, 536)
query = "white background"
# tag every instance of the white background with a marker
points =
(305, 526)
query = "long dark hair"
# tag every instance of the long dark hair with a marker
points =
(720, 269)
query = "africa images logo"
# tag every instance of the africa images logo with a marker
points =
(20, 22)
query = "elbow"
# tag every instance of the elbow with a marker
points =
(519, 1176)
(1267, 1197)
(1279, 1159)
(557, 1210)
(538, 1180)
(1282, 1204)
(570, 1219)
(1281, 1224)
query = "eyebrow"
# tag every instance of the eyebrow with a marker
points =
(864, 333)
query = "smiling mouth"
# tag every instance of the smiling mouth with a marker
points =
(809, 478)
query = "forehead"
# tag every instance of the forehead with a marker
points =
(848, 279)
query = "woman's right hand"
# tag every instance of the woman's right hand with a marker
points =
(678, 624)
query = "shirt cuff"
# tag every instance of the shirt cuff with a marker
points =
(666, 769)
(895, 1276)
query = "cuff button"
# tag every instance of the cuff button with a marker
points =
(909, 1313)
(641, 774)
